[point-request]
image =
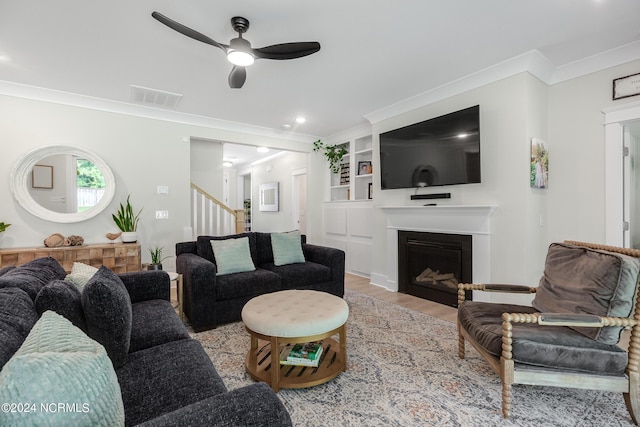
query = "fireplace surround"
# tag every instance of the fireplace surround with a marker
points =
(473, 220)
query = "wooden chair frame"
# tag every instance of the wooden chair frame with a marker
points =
(509, 373)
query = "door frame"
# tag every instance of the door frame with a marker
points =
(615, 119)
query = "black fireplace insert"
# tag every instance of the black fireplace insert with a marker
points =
(430, 265)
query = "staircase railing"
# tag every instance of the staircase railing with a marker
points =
(211, 217)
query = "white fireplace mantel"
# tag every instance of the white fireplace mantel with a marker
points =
(473, 220)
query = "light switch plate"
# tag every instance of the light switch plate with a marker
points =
(163, 189)
(162, 214)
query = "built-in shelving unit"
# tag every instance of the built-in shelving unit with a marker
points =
(355, 179)
(348, 213)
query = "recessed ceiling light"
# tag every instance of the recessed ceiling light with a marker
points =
(300, 119)
(262, 149)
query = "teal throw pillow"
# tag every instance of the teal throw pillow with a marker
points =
(232, 255)
(287, 248)
(64, 378)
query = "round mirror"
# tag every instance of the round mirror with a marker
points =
(62, 184)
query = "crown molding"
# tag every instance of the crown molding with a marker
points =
(532, 62)
(83, 101)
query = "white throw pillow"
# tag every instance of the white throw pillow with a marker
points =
(80, 274)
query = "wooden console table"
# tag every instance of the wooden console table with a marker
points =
(119, 257)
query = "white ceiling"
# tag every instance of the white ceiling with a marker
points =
(375, 53)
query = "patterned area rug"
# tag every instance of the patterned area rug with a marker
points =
(403, 370)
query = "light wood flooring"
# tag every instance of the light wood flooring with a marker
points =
(363, 285)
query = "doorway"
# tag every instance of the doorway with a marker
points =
(299, 201)
(622, 205)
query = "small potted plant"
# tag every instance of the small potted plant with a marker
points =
(333, 153)
(156, 258)
(127, 222)
(3, 226)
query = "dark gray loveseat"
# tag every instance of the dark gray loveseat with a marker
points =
(211, 300)
(164, 376)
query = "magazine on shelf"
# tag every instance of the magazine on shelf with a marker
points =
(308, 350)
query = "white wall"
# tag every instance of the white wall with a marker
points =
(143, 154)
(576, 133)
(276, 169)
(512, 111)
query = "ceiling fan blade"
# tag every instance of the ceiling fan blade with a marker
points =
(287, 50)
(237, 77)
(187, 31)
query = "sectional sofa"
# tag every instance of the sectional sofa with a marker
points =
(111, 351)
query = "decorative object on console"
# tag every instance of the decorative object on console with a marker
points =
(156, 258)
(333, 153)
(55, 240)
(75, 240)
(113, 236)
(127, 221)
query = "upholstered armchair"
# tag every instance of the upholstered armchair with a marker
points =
(569, 336)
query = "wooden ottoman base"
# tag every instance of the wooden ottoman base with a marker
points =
(261, 360)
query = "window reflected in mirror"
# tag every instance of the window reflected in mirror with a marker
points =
(76, 184)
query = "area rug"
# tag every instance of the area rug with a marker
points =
(403, 370)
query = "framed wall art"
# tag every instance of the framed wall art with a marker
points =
(42, 176)
(539, 165)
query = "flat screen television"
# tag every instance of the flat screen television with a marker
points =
(444, 150)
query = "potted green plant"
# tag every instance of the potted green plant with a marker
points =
(156, 258)
(333, 153)
(127, 222)
(3, 226)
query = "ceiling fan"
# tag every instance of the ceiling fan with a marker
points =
(239, 51)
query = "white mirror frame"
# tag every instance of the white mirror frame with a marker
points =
(22, 171)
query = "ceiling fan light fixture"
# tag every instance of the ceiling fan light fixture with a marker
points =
(240, 58)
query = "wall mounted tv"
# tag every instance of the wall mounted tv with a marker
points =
(444, 150)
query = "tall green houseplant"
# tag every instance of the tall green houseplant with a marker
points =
(125, 219)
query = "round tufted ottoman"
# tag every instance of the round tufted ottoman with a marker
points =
(282, 318)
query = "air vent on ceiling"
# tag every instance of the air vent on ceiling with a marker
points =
(155, 97)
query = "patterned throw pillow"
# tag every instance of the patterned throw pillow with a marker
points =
(80, 274)
(232, 255)
(287, 248)
(59, 365)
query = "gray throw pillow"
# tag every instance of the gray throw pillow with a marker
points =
(107, 311)
(65, 299)
(588, 281)
(17, 317)
(32, 276)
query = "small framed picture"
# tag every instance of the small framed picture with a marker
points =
(625, 87)
(42, 176)
(364, 168)
(370, 192)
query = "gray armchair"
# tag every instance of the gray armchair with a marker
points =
(570, 335)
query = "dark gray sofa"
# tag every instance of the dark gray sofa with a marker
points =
(165, 376)
(211, 300)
